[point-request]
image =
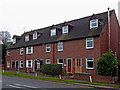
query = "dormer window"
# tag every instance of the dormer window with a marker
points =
(27, 38)
(34, 35)
(14, 40)
(65, 29)
(53, 32)
(93, 23)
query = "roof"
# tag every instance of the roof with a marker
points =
(80, 28)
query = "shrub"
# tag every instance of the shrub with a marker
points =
(52, 69)
(39, 69)
(70, 74)
(107, 64)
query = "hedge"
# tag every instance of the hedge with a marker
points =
(52, 69)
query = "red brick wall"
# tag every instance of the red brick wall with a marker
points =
(95, 78)
(71, 49)
(115, 35)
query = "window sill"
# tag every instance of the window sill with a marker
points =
(89, 48)
(90, 68)
(60, 50)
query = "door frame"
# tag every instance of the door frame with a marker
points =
(76, 63)
(67, 65)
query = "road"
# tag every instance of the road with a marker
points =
(29, 84)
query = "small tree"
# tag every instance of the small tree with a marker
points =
(107, 64)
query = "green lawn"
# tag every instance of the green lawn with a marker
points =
(55, 79)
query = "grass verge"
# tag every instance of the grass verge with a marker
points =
(56, 79)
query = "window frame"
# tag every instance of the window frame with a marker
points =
(29, 48)
(92, 22)
(14, 40)
(34, 35)
(27, 64)
(8, 64)
(16, 64)
(65, 29)
(27, 38)
(53, 32)
(89, 41)
(47, 62)
(8, 52)
(59, 62)
(92, 60)
(12, 64)
(21, 50)
(60, 45)
(21, 64)
(48, 47)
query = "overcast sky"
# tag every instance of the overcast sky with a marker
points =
(18, 16)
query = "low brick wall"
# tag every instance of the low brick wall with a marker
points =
(95, 78)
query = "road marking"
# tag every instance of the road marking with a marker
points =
(13, 86)
(25, 85)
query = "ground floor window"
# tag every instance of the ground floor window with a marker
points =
(8, 64)
(89, 63)
(47, 61)
(29, 63)
(16, 64)
(60, 61)
(13, 64)
(21, 63)
(41, 63)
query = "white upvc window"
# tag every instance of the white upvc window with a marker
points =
(28, 63)
(89, 43)
(21, 51)
(27, 38)
(21, 63)
(14, 40)
(93, 23)
(53, 32)
(29, 50)
(48, 47)
(48, 61)
(8, 64)
(65, 29)
(8, 52)
(89, 63)
(60, 61)
(16, 64)
(60, 46)
(34, 35)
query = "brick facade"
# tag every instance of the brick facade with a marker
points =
(72, 49)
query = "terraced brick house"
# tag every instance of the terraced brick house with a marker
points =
(75, 44)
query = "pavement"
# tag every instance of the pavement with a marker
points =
(86, 85)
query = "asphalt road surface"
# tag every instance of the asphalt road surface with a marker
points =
(29, 84)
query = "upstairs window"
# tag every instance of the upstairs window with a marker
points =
(14, 40)
(48, 47)
(29, 50)
(65, 29)
(21, 51)
(53, 32)
(8, 52)
(94, 23)
(48, 61)
(89, 43)
(27, 38)
(60, 46)
(34, 35)
(89, 63)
